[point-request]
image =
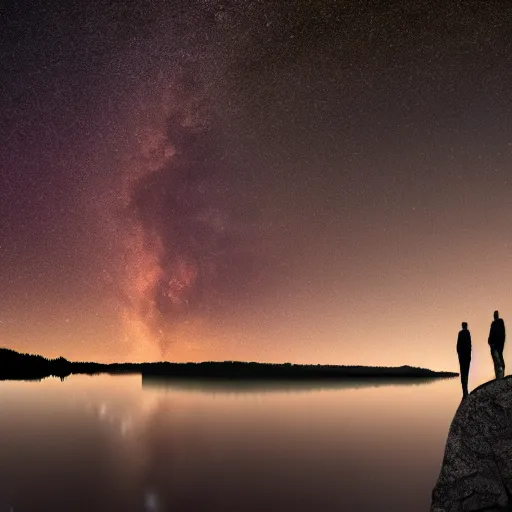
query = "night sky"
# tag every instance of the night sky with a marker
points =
(306, 181)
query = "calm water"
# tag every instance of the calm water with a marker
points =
(117, 444)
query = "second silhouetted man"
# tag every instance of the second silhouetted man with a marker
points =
(497, 343)
(464, 352)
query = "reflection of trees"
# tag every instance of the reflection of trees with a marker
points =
(268, 385)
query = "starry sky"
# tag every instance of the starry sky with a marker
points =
(308, 181)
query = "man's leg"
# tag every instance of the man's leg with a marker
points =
(502, 363)
(464, 372)
(497, 362)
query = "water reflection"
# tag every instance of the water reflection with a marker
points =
(234, 386)
(109, 443)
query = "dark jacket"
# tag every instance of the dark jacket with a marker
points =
(497, 333)
(464, 343)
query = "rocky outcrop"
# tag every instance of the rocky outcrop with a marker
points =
(476, 473)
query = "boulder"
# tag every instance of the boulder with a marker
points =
(476, 473)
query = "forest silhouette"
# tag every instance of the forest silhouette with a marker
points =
(17, 366)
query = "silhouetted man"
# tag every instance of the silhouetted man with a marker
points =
(464, 352)
(497, 343)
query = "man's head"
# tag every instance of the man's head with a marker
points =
(464, 325)
(496, 315)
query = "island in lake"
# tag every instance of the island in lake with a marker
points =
(17, 366)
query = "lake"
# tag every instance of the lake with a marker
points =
(107, 443)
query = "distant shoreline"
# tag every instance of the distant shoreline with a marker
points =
(237, 370)
(16, 366)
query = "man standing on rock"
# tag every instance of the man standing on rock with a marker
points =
(464, 352)
(497, 343)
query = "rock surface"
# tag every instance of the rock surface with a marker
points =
(476, 473)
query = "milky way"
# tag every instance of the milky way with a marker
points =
(304, 181)
(186, 257)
